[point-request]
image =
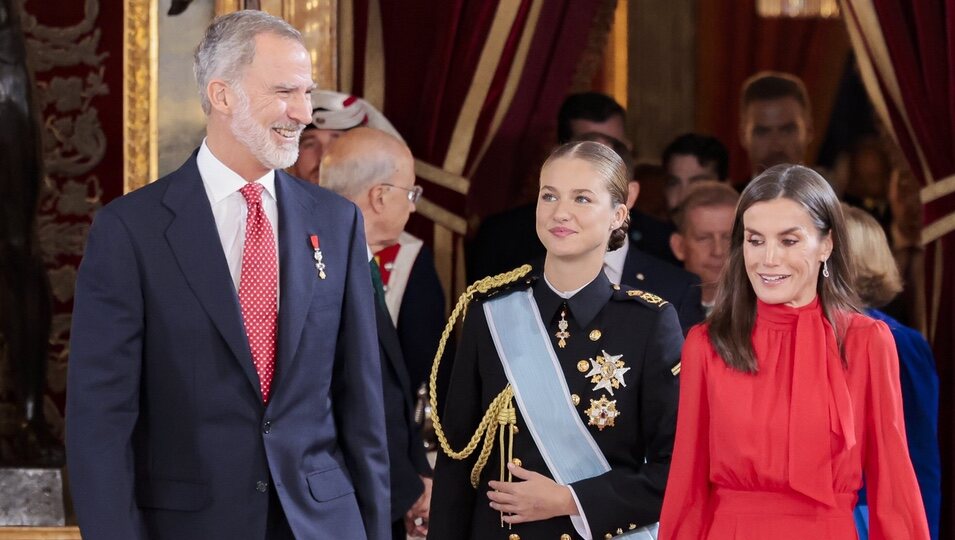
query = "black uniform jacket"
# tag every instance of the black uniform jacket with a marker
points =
(672, 283)
(602, 319)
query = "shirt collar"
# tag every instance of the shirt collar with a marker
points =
(584, 306)
(614, 260)
(221, 181)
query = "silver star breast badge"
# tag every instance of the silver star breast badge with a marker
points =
(607, 372)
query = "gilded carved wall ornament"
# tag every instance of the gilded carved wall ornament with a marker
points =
(68, 64)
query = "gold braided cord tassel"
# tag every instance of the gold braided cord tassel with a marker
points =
(488, 425)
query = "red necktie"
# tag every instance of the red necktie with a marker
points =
(258, 287)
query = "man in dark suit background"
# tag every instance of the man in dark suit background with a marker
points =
(223, 380)
(375, 171)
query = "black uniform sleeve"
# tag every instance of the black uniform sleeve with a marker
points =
(620, 498)
(452, 497)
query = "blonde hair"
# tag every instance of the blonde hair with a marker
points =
(610, 168)
(877, 276)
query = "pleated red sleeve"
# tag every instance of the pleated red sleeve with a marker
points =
(895, 503)
(686, 504)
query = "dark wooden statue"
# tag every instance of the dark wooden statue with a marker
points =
(25, 304)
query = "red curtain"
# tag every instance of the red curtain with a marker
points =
(737, 43)
(906, 51)
(473, 86)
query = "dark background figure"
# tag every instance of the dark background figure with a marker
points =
(24, 288)
(690, 158)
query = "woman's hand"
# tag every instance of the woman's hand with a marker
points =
(534, 499)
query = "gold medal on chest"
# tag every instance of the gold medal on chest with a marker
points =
(606, 372)
(602, 413)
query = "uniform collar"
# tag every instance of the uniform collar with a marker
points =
(584, 305)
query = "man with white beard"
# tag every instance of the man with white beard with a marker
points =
(224, 377)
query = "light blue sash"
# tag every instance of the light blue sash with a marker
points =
(532, 368)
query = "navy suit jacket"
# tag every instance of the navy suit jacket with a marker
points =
(405, 446)
(672, 283)
(167, 435)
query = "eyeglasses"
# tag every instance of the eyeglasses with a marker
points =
(414, 194)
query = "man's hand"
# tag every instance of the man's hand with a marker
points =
(416, 520)
(534, 499)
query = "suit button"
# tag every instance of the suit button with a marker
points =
(565, 536)
(267, 426)
(261, 486)
(513, 537)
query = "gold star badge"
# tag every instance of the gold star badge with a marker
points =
(607, 372)
(602, 413)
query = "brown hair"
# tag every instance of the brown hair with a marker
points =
(769, 85)
(877, 277)
(731, 322)
(704, 194)
(610, 167)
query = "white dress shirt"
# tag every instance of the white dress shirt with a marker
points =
(614, 261)
(230, 210)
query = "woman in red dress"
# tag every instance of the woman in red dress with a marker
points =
(789, 395)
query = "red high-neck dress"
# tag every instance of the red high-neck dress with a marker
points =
(780, 454)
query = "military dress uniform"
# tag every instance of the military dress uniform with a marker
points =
(620, 362)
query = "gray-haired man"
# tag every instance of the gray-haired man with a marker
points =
(224, 380)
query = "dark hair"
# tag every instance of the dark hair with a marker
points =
(768, 85)
(704, 194)
(709, 151)
(592, 106)
(609, 166)
(614, 143)
(731, 322)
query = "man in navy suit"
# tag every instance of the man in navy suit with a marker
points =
(224, 380)
(376, 171)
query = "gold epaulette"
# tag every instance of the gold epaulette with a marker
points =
(501, 410)
(649, 298)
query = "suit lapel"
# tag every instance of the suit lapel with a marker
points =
(195, 243)
(297, 267)
(388, 339)
(631, 265)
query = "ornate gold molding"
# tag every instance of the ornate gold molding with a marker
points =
(228, 6)
(140, 65)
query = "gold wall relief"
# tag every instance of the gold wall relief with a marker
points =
(140, 66)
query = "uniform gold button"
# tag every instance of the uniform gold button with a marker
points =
(619, 531)
(514, 537)
(616, 287)
(641, 277)
(608, 536)
(633, 526)
(565, 536)
(514, 430)
(575, 399)
(517, 462)
(583, 366)
(595, 335)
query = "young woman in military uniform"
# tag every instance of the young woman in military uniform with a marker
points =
(561, 408)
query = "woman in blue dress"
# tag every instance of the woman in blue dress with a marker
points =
(877, 283)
